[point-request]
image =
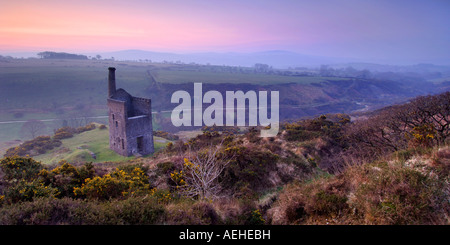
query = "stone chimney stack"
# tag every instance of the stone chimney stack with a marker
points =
(111, 81)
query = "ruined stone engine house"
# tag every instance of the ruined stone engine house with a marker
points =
(130, 121)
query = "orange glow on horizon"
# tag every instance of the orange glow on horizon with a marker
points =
(77, 27)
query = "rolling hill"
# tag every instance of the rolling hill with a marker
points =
(82, 147)
(73, 92)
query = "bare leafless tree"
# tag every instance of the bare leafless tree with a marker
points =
(32, 128)
(393, 128)
(201, 172)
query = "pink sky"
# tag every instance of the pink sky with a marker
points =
(106, 25)
(322, 27)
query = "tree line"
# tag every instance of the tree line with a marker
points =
(62, 55)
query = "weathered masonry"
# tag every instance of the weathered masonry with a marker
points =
(130, 121)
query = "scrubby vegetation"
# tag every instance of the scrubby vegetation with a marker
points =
(386, 192)
(42, 144)
(165, 135)
(38, 145)
(389, 168)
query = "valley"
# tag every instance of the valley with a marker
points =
(73, 92)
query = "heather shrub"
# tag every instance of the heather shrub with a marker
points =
(165, 135)
(312, 202)
(206, 139)
(441, 162)
(252, 134)
(383, 193)
(133, 211)
(238, 211)
(298, 132)
(45, 211)
(67, 211)
(327, 203)
(165, 168)
(395, 194)
(192, 213)
(247, 214)
(160, 175)
(250, 167)
(226, 130)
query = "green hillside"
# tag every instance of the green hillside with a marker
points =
(58, 90)
(52, 85)
(73, 92)
(78, 149)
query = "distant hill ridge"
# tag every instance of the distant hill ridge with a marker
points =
(275, 58)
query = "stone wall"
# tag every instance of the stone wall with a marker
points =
(140, 126)
(117, 126)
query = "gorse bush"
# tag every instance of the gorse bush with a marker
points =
(68, 132)
(255, 218)
(114, 185)
(88, 127)
(64, 177)
(64, 133)
(86, 171)
(17, 168)
(20, 180)
(42, 144)
(36, 146)
(22, 191)
(422, 135)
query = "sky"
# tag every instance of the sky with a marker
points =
(416, 30)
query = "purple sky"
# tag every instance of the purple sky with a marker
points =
(416, 30)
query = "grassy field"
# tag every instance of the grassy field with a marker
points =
(64, 89)
(182, 76)
(44, 85)
(78, 149)
(41, 86)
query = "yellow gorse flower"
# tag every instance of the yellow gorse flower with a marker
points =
(117, 183)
